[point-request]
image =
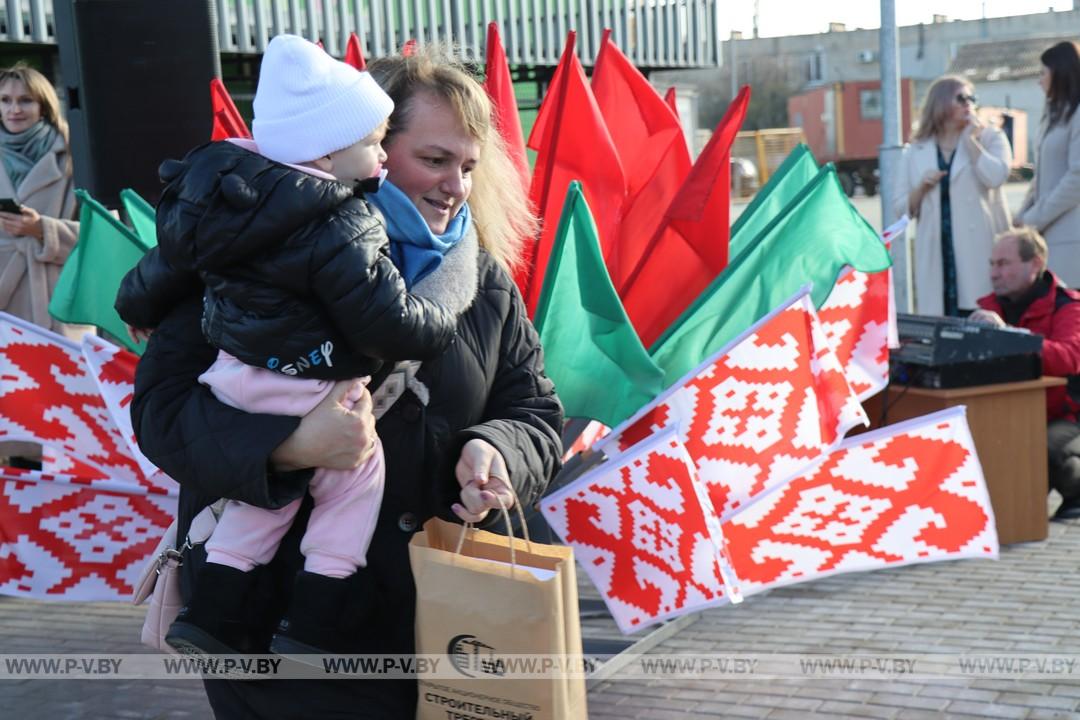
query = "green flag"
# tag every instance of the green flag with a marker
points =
(86, 289)
(592, 353)
(790, 178)
(816, 235)
(797, 169)
(142, 215)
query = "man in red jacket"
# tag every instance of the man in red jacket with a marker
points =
(1028, 295)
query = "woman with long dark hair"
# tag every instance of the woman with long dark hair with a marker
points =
(1052, 205)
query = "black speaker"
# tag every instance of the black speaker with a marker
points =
(136, 74)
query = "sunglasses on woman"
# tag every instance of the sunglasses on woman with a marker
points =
(963, 99)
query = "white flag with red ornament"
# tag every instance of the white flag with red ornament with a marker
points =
(81, 528)
(908, 493)
(48, 396)
(592, 434)
(859, 319)
(856, 321)
(644, 530)
(64, 537)
(113, 369)
(758, 412)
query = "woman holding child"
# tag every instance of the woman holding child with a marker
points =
(475, 420)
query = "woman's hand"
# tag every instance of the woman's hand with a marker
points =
(915, 197)
(26, 223)
(930, 179)
(481, 472)
(974, 129)
(974, 125)
(338, 434)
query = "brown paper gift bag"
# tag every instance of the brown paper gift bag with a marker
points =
(479, 614)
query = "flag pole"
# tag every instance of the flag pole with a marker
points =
(889, 153)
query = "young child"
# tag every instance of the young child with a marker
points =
(299, 291)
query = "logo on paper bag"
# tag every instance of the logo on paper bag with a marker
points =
(473, 658)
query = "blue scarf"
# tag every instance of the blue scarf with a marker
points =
(415, 250)
(23, 150)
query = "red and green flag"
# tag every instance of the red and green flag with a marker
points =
(599, 366)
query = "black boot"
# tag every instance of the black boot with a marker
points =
(217, 620)
(1068, 510)
(321, 617)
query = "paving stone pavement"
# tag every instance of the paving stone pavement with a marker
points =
(1026, 602)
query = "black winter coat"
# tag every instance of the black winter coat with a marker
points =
(296, 268)
(489, 383)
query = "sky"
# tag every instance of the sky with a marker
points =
(798, 17)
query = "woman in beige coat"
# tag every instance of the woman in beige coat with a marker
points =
(35, 242)
(1052, 205)
(951, 179)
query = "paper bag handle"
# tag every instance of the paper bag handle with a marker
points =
(509, 527)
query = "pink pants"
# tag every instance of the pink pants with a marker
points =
(346, 501)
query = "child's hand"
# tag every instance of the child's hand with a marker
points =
(140, 335)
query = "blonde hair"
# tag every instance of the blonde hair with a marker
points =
(1029, 243)
(42, 91)
(499, 204)
(935, 109)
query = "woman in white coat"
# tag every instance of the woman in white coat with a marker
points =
(1052, 205)
(951, 179)
(34, 242)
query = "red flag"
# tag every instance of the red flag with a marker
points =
(669, 98)
(691, 246)
(227, 120)
(539, 128)
(408, 48)
(500, 88)
(576, 146)
(353, 54)
(651, 146)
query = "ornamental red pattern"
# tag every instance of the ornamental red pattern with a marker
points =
(758, 414)
(60, 540)
(113, 370)
(592, 433)
(855, 319)
(910, 493)
(83, 527)
(643, 530)
(48, 396)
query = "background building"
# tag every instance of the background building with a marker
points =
(999, 55)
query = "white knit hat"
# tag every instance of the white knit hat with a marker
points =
(308, 104)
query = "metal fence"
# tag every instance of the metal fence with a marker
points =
(653, 33)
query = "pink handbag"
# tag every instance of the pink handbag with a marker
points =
(160, 579)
